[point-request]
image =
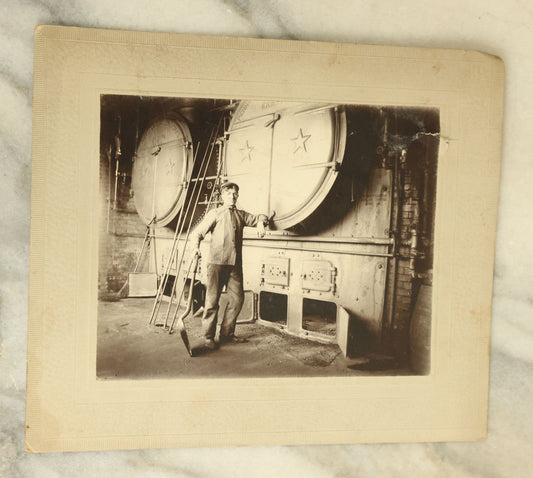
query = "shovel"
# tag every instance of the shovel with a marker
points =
(181, 324)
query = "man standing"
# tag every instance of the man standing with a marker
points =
(224, 268)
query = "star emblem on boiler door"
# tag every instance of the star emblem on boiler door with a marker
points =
(247, 152)
(300, 141)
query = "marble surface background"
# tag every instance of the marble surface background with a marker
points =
(501, 28)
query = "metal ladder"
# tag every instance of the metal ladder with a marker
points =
(177, 253)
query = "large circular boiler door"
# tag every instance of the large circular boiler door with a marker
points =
(162, 165)
(284, 157)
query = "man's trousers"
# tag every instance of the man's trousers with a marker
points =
(219, 276)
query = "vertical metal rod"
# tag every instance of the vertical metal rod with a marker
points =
(152, 222)
(398, 186)
(386, 324)
(118, 153)
(270, 166)
(152, 229)
(425, 202)
(115, 193)
(145, 240)
(109, 186)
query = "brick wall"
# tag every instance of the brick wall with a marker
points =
(418, 179)
(404, 278)
(121, 232)
(399, 288)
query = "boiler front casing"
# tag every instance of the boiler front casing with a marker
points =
(321, 272)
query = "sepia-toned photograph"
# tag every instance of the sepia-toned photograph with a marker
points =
(249, 238)
(283, 253)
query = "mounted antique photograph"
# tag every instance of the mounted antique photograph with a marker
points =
(249, 238)
(245, 241)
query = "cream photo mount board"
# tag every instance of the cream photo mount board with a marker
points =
(68, 408)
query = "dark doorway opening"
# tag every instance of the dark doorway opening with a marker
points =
(319, 316)
(273, 307)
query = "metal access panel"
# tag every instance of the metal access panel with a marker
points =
(318, 275)
(275, 271)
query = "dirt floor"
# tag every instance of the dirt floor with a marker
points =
(128, 347)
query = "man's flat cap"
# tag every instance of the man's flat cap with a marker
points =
(229, 185)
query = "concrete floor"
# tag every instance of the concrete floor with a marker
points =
(129, 348)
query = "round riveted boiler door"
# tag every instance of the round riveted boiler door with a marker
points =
(285, 157)
(162, 165)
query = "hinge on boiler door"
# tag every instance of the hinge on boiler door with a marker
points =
(320, 276)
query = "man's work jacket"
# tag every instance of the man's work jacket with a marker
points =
(226, 225)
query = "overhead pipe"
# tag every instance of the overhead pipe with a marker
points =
(118, 153)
